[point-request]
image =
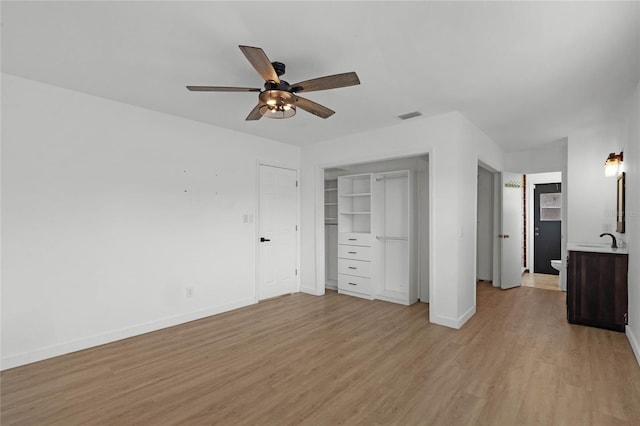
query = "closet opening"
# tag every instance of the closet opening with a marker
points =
(376, 229)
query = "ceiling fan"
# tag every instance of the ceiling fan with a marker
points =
(279, 99)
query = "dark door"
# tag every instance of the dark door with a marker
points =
(546, 223)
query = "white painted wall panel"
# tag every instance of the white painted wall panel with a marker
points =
(110, 211)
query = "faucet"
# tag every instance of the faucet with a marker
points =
(614, 243)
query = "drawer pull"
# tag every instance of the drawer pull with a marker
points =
(352, 252)
(352, 267)
(353, 284)
(353, 239)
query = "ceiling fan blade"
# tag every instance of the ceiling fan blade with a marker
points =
(328, 82)
(254, 114)
(314, 108)
(260, 62)
(221, 89)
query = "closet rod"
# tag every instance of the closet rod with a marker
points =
(382, 237)
(391, 177)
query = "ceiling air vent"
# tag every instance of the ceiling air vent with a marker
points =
(410, 115)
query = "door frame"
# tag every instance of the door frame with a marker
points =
(494, 217)
(256, 227)
(532, 180)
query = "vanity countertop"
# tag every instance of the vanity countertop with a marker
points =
(596, 248)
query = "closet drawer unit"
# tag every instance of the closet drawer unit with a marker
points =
(360, 268)
(354, 252)
(354, 239)
(354, 284)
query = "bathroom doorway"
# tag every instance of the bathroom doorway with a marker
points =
(543, 227)
(547, 217)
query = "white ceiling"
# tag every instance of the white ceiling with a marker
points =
(525, 73)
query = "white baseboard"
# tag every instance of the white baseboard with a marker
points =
(635, 343)
(466, 316)
(453, 322)
(17, 360)
(312, 290)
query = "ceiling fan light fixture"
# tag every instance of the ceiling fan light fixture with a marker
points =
(277, 104)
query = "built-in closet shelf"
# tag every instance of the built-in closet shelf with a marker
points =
(362, 194)
(331, 189)
(382, 237)
(330, 218)
(355, 212)
(330, 204)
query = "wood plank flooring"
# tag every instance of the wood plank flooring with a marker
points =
(543, 281)
(307, 360)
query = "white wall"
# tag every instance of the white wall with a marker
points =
(551, 157)
(592, 196)
(110, 211)
(454, 146)
(631, 141)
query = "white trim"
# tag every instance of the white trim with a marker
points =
(16, 360)
(297, 286)
(453, 322)
(467, 315)
(318, 217)
(311, 290)
(635, 344)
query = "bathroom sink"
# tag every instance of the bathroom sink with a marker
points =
(597, 248)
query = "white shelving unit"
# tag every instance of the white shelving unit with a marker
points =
(354, 203)
(354, 236)
(377, 236)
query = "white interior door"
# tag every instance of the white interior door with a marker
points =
(510, 235)
(277, 215)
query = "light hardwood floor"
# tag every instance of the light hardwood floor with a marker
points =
(543, 281)
(335, 359)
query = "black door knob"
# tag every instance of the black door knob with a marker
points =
(263, 239)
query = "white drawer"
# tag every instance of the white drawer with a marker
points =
(354, 252)
(360, 268)
(354, 238)
(354, 284)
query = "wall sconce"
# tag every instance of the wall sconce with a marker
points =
(613, 165)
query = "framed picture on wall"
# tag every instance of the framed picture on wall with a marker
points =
(620, 207)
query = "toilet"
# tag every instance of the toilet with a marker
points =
(558, 265)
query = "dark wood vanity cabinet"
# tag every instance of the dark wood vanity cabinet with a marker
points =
(597, 289)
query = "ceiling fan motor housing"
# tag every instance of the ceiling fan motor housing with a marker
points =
(279, 67)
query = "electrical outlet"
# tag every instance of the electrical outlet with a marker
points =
(188, 292)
